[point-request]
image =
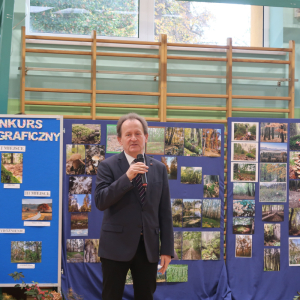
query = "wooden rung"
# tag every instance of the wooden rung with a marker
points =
(77, 117)
(127, 55)
(196, 108)
(180, 57)
(261, 61)
(50, 90)
(118, 117)
(262, 110)
(106, 92)
(261, 97)
(57, 38)
(126, 105)
(56, 103)
(197, 95)
(30, 50)
(127, 42)
(196, 46)
(196, 120)
(262, 49)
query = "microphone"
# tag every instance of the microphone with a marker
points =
(140, 158)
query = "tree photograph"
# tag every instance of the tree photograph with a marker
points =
(94, 155)
(37, 209)
(177, 245)
(294, 221)
(192, 142)
(80, 185)
(273, 213)
(79, 224)
(91, 247)
(191, 175)
(295, 136)
(191, 213)
(294, 194)
(244, 190)
(174, 141)
(210, 245)
(211, 142)
(12, 167)
(86, 133)
(75, 164)
(177, 273)
(191, 245)
(211, 213)
(244, 151)
(171, 165)
(211, 186)
(75, 251)
(244, 172)
(161, 277)
(272, 234)
(112, 143)
(176, 205)
(272, 192)
(80, 203)
(243, 225)
(243, 208)
(244, 131)
(26, 252)
(294, 251)
(272, 259)
(273, 132)
(294, 166)
(273, 152)
(273, 172)
(156, 140)
(243, 246)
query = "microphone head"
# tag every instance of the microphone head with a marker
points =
(140, 158)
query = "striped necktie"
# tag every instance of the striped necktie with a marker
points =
(139, 185)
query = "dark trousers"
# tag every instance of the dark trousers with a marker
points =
(143, 275)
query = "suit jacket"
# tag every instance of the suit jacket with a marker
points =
(125, 216)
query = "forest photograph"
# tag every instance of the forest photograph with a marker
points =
(161, 277)
(177, 273)
(11, 167)
(272, 259)
(243, 246)
(191, 175)
(211, 142)
(129, 279)
(91, 247)
(79, 224)
(86, 133)
(211, 213)
(243, 208)
(174, 141)
(94, 155)
(210, 245)
(177, 245)
(272, 192)
(211, 186)
(294, 194)
(191, 213)
(75, 159)
(295, 136)
(171, 165)
(176, 205)
(294, 221)
(37, 209)
(80, 203)
(272, 172)
(26, 252)
(75, 250)
(80, 185)
(244, 151)
(192, 142)
(244, 131)
(244, 172)
(244, 190)
(294, 166)
(294, 251)
(271, 234)
(273, 213)
(273, 152)
(243, 225)
(191, 245)
(112, 143)
(156, 140)
(273, 132)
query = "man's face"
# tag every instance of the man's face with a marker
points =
(132, 137)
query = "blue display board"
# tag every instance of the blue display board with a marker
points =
(207, 279)
(30, 189)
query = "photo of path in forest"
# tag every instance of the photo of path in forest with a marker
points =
(191, 175)
(211, 213)
(273, 152)
(86, 133)
(244, 131)
(294, 166)
(211, 186)
(272, 235)
(80, 184)
(80, 203)
(243, 208)
(273, 213)
(171, 165)
(191, 213)
(273, 132)
(161, 277)
(273, 172)
(244, 151)
(112, 143)
(244, 190)
(75, 161)
(174, 141)
(37, 209)
(156, 140)
(295, 136)
(26, 252)
(294, 221)
(177, 273)
(192, 142)
(294, 252)
(191, 245)
(91, 247)
(176, 205)
(210, 245)
(94, 156)
(272, 192)
(12, 167)
(75, 250)
(243, 225)
(177, 245)
(272, 259)
(211, 142)
(294, 194)
(243, 246)
(79, 224)
(244, 172)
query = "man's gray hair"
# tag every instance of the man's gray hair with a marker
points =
(132, 116)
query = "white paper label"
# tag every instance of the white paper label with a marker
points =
(37, 193)
(29, 223)
(11, 185)
(25, 266)
(12, 230)
(13, 148)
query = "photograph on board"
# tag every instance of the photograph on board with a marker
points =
(176, 205)
(294, 252)
(191, 245)
(294, 166)
(37, 209)
(272, 172)
(12, 167)
(191, 175)
(272, 213)
(26, 252)
(243, 225)
(174, 140)
(211, 142)
(211, 213)
(272, 192)
(79, 224)
(191, 213)
(243, 246)
(294, 221)
(80, 203)
(243, 191)
(272, 234)
(75, 250)
(192, 142)
(211, 186)
(171, 165)
(177, 273)
(112, 143)
(272, 259)
(273, 152)
(273, 132)
(80, 185)
(91, 247)
(294, 193)
(156, 140)
(244, 172)
(243, 208)
(177, 245)
(86, 133)
(244, 131)
(210, 245)
(75, 159)
(94, 155)
(295, 136)
(244, 151)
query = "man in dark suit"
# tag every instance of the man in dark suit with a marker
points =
(133, 217)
